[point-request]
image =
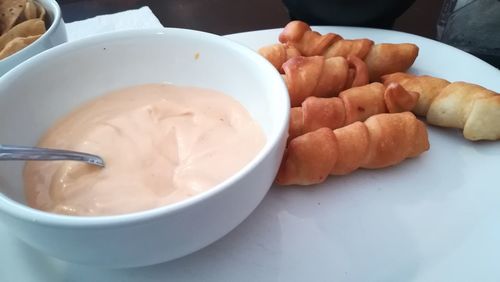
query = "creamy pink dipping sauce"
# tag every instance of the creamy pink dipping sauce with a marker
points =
(161, 144)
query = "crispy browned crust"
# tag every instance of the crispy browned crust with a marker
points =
(382, 140)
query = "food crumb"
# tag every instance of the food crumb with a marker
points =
(196, 55)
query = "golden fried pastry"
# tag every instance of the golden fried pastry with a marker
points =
(381, 59)
(462, 105)
(354, 104)
(382, 140)
(320, 77)
(278, 54)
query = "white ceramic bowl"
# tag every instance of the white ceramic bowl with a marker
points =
(55, 35)
(40, 90)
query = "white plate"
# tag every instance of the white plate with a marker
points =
(434, 218)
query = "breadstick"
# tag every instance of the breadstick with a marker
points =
(312, 43)
(462, 105)
(382, 140)
(278, 54)
(320, 77)
(354, 104)
(380, 58)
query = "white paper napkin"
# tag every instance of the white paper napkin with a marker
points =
(130, 19)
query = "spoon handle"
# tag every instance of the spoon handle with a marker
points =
(16, 153)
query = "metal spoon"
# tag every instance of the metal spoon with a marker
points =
(23, 153)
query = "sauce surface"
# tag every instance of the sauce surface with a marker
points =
(161, 144)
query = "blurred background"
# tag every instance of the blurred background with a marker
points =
(471, 25)
(231, 16)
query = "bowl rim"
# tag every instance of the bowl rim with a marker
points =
(56, 21)
(21, 211)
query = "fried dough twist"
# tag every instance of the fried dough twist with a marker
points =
(381, 59)
(382, 140)
(354, 104)
(322, 77)
(462, 105)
